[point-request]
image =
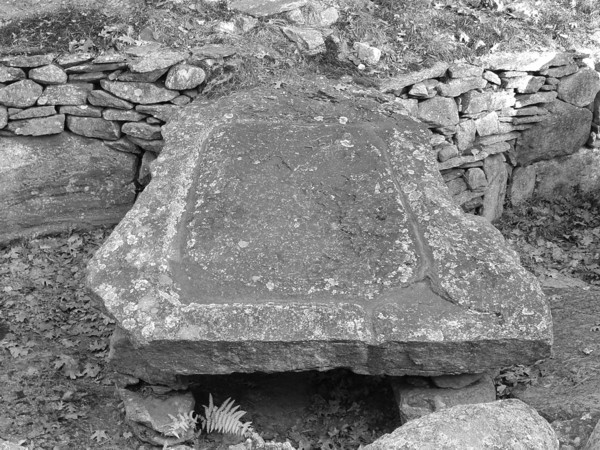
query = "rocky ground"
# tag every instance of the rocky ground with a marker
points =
(56, 390)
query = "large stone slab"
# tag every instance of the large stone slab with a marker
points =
(562, 132)
(285, 232)
(51, 183)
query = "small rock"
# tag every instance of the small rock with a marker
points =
(224, 28)
(457, 186)
(184, 76)
(181, 100)
(329, 16)
(309, 40)
(366, 53)
(446, 152)
(245, 23)
(492, 77)
(21, 94)
(49, 74)
(39, 126)
(94, 127)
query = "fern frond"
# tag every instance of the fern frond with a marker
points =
(224, 419)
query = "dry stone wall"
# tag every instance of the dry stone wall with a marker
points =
(492, 121)
(506, 112)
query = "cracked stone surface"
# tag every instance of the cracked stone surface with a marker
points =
(287, 230)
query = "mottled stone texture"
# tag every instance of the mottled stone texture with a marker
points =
(505, 424)
(51, 183)
(271, 241)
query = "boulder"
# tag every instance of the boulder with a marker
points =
(581, 88)
(21, 94)
(142, 93)
(569, 176)
(341, 248)
(562, 132)
(56, 182)
(504, 424)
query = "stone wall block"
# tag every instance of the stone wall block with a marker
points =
(31, 113)
(126, 115)
(497, 176)
(155, 146)
(399, 82)
(94, 128)
(487, 124)
(3, 116)
(579, 89)
(446, 152)
(27, 62)
(559, 72)
(104, 99)
(21, 94)
(39, 126)
(464, 70)
(84, 68)
(141, 93)
(458, 86)
(522, 184)
(534, 99)
(562, 132)
(526, 61)
(142, 130)
(465, 134)
(596, 109)
(9, 74)
(527, 84)
(492, 77)
(81, 110)
(438, 112)
(50, 74)
(457, 186)
(64, 94)
(476, 179)
(474, 102)
(147, 77)
(161, 59)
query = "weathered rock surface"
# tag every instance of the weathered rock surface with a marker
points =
(39, 126)
(526, 61)
(52, 183)
(414, 401)
(142, 130)
(581, 88)
(262, 8)
(64, 94)
(21, 94)
(341, 248)
(161, 59)
(142, 93)
(8, 74)
(94, 128)
(49, 74)
(162, 112)
(30, 113)
(103, 98)
(562, 132)
(505, 424)
(3, 117)
(184, 76)
(438, 112)
(403, 80)
(81, 110)
(522, 184)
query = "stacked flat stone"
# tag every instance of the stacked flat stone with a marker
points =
(479, 112)
(122, 99)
